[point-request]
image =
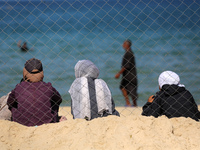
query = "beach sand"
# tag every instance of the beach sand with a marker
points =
(131, 131)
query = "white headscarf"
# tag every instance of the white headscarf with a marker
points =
(79, 91)
(169, 77)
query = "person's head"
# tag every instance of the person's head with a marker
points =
(25, 45)
(86, 68)
(127, 44)
(33, 70)
(168, 78)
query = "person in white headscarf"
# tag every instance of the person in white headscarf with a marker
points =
(173, 100)
(91, 97)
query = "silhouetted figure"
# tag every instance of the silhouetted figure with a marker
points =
(129, 75)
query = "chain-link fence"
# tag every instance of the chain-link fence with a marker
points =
(164, 33)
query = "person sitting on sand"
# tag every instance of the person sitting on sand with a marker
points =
(173, 100)
(24, 47)
(91, 97)
(34, 102)
(5, 113)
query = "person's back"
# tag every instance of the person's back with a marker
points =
(173, 100)
(91, 97)
(34, 102)
(129, 62)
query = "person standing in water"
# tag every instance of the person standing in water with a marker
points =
(128, 83)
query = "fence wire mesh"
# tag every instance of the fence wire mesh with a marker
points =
(164, 33)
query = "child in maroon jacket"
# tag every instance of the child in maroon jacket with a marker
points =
(34, 102)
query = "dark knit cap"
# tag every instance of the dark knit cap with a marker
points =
(32, 64)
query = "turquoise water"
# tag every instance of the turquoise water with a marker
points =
(165, 36)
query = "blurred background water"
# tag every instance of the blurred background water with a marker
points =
(165, 36)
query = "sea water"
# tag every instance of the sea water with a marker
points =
(165, 36)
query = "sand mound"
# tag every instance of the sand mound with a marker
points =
(131, 132)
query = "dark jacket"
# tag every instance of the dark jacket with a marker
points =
(172, 101)
(34, 103)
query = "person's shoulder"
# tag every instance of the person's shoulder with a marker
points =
(46, 83)
(182, 90)
(159, 92)
(23, 83)
(187, 92)
(20, 86)
(100, 80)
(40, 83)
(129, 53)
(159, 95)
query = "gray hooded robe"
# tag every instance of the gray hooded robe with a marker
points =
(91, 97)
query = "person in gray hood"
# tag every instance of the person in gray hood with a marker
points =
(91, 97)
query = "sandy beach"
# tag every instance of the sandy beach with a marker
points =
(130, 131)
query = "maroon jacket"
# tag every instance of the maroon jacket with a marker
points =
(34, 103)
